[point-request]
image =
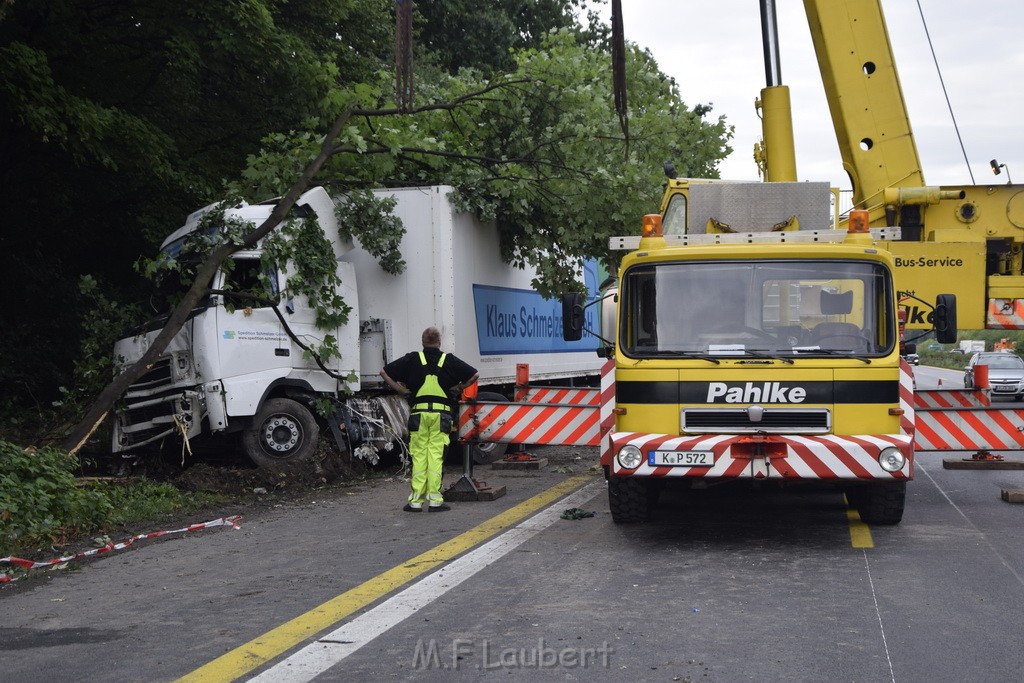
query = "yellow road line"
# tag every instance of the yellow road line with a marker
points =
(860, 533)
(257, 652)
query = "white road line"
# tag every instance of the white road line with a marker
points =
(330, 649)
(878, 613)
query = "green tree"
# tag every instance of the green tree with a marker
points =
(116, 119)
(538, 151)
(457, 34)
(542, 154)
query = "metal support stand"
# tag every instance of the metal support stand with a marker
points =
(985, 456)
(467, 488)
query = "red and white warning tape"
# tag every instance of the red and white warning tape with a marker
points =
(110, 547)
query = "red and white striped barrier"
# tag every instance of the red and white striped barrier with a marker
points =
(966, 421)
(1005, 314)
(575, 396)
(111, 547)
(771, 457)
(945, 399)
(553, 416)
(533, 423)
(906, 397)
(607, 407)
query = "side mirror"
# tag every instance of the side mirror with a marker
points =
(945, 318)
(572, 316)
(910, 348)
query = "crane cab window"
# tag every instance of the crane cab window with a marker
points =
(674, 220)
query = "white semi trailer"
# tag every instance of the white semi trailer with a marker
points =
(239, 367)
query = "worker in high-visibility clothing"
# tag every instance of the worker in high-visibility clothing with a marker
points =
(427, 378)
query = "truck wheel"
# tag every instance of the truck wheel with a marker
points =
(882, 503)
(488, 451)
(631, 499)
(283, 432)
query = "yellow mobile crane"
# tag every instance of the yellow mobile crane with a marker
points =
(967, 239)
(765, 356)
(753, 341)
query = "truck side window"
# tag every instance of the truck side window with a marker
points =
(249, 277)
(674, 221)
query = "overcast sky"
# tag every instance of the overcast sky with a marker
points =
(713, 49)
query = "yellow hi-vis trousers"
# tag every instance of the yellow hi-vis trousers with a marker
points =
(426, 445)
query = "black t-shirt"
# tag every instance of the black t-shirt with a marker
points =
(409, 371)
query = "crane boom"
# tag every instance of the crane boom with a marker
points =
(869, 113)
(969, 237)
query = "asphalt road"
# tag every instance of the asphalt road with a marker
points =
(723, 585)
(928, 377)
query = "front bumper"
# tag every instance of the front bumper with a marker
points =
(789, 457)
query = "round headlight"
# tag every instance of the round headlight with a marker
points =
(630, 457)
(891, 459)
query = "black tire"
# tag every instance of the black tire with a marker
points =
(630, 499)
(282, 433)
(488, 452)
(881, 503)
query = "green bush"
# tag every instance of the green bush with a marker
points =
(142, 500)
(39, 499)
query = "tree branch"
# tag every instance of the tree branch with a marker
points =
(113, 391)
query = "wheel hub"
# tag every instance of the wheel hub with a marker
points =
(281, 433)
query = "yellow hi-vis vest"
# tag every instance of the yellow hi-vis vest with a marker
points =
(424, 401)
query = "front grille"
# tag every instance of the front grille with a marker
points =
(157, 377)
(150, 406)
(773, 420)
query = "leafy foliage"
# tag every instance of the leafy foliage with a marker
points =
(457, 34)
(41, 502)
(110, 321)
(538, 151)
(119, 118)
(39, 499)
(570, 181)
(362, 215)
(301, 248)
(139, 500)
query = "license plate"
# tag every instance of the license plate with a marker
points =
(681, 458)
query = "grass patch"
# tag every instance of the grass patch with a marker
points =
(42, 503)
(943, 359)
(135, 501)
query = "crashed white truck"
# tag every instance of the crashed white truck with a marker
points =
(240, 368)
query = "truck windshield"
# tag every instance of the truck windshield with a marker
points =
(787, 308)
